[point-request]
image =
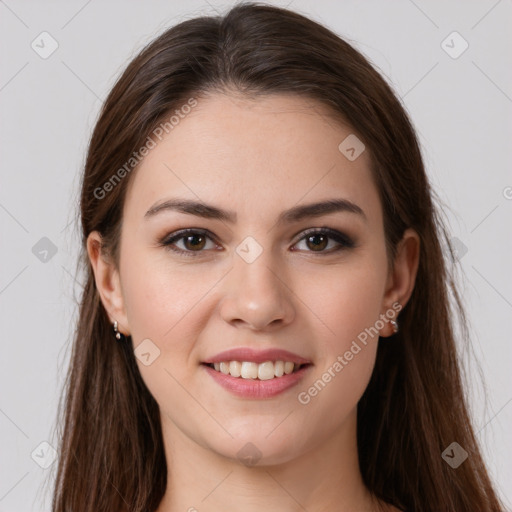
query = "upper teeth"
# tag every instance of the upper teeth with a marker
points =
(249, 370)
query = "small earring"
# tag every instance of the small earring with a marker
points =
(119, 335)
(394, 323)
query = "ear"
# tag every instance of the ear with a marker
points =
(402, 276)
(108, 282)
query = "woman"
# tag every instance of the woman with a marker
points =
(266, 318)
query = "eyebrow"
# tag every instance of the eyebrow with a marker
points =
(294, 214)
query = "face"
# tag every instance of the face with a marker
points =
(268, 276)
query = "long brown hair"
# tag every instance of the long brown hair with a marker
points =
(111, 452)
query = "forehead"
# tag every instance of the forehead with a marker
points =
(252, 155)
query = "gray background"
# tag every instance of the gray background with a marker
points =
(460, 106)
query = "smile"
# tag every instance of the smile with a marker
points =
(252, 386)
(249, 370)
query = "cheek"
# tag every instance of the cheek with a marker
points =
(349, 305)
(346, 300)
(157, 302)
(159, 294)
(170, 305)
(162, 303)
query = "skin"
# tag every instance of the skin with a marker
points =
(292, 297)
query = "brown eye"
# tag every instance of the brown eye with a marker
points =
(189, 242)
(317, 242)
(194, 242)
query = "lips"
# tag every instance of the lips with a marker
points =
(256, 388)
(257, 356)
(258, 374)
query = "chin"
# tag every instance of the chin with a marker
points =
(254, 448)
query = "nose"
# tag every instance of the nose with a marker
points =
(257, 295)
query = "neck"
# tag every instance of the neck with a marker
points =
(322, 478)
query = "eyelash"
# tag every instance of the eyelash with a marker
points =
(343, 240)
